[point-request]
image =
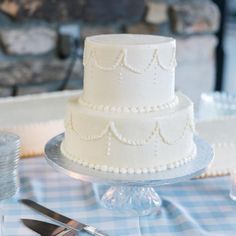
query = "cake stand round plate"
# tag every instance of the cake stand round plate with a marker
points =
(131, 194)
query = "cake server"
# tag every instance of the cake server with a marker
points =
(47, 229)
(64, 220)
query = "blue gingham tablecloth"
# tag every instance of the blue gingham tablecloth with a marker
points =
(196, 207)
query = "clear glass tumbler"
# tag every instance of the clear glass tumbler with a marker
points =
(9, 158)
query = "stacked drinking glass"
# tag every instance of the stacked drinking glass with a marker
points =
(9, 158)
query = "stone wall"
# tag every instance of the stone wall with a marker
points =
(39, 38)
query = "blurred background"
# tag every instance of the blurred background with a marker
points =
(41, 41)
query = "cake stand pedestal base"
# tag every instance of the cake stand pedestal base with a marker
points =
(130, 194)
(132, 200)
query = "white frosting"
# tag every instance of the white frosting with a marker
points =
(111, 130)
(120, 69)
(106, 108)
(123, 170)
(125, 140)
(128, 119)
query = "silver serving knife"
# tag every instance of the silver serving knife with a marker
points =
(65, 221)
(47, 229)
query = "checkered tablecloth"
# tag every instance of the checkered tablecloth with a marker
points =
(196, 207)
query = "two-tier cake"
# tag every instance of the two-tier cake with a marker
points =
(129, 120)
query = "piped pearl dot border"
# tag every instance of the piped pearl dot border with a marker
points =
(138, 109)
(123, 170)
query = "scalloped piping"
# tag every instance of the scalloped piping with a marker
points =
(110, 127)
(123, 170)
(138, 109)
(122, 61)
(188, 124)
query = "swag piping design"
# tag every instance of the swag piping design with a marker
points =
(111, 128)
(122, 61)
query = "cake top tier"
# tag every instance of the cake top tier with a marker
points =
(127, 70)
(128, 40)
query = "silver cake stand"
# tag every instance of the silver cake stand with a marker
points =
(131, 194)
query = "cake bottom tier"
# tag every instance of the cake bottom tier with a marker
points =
(130, 142)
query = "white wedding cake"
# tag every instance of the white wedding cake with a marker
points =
(129, 120)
